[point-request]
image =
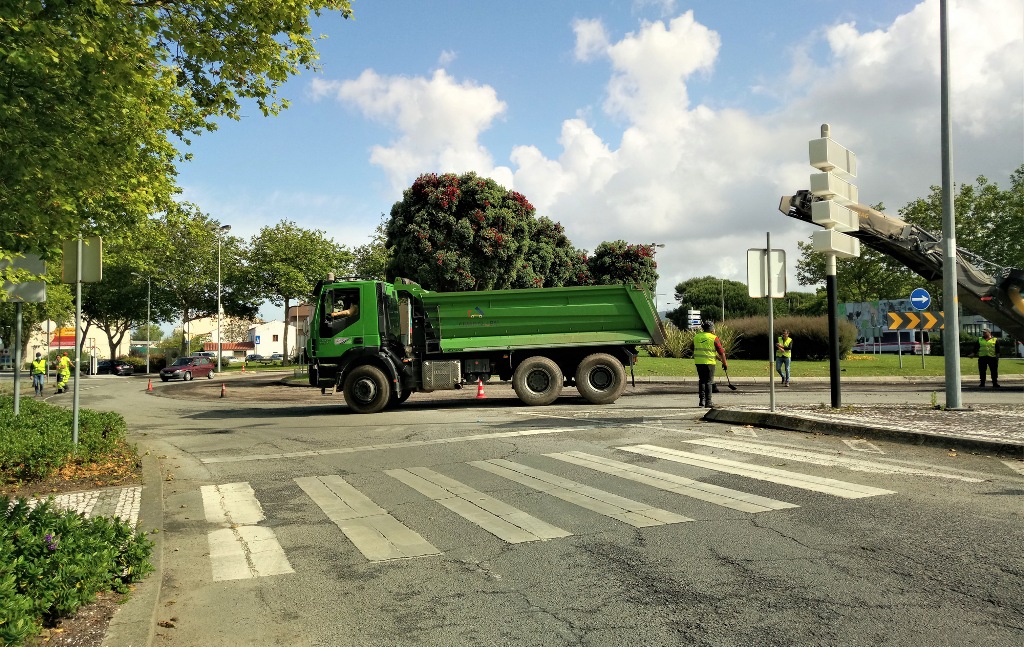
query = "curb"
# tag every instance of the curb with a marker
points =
(793, 422)
(134, 623)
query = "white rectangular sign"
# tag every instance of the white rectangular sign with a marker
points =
(757, 281)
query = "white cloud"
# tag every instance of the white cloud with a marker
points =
(707, 181)
(438, 122)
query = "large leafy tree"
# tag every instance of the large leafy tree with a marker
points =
(287, 261)
(95, 97)
(621, 262)
(181, 248)
(371, 259)
(455, 233)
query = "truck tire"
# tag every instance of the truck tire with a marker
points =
(366, 389)
(537, 381)
(600, 378)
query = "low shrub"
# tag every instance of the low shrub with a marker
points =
(679, 341)
(52, 562)
(36, 443)
(810, 337)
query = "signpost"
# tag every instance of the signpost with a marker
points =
(22, 292)
(766, 278)
(834, 190)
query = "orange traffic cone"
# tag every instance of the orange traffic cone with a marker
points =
(223, 389)
(243, 367)
(480, 389)
(150, 387)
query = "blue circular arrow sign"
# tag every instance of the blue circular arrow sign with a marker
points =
(920, 299)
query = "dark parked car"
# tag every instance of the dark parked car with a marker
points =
(257, 358)
(276, 357)
(187, 368)
(114, 367)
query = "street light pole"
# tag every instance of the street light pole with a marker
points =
(149, 327)
(220, 237)
(654, 257)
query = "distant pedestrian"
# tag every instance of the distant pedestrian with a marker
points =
(707, 347)
(783, 356)
(64, 366)
(988, 357)
(38, 373)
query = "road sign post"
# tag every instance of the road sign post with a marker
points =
(766, 278)
(834, 190)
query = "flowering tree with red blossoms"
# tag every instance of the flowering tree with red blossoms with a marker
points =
(454, 233)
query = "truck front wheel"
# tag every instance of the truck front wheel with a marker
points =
(367, 390)
(600, 378)
(537, 381)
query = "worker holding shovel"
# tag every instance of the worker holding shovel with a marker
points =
(706, 345)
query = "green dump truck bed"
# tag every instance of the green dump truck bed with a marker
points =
(543, 317)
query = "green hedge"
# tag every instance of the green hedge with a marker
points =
(35, 444)
(52, 562)
(810, 337)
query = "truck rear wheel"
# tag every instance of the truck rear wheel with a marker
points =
(600, 378)
(367, 390)
(537, 381)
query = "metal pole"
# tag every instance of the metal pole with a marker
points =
(950, 301)
(17, 357)
(219, 347)
(78, 343)
(771, 324)
(833, 328)
(149, 319)
(723, 300)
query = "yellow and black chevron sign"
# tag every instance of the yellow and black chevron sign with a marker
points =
(917, 320)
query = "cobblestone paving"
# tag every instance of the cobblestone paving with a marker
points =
(110, 502)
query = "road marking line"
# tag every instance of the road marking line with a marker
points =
(370, 448)
(636, 514)
(615, 423)
(374, 532)
(231, 504)
(855, 464)
(1016, 466)
(681, 485)
(498, 518)
(861, 445)
(246, 552)
(240, 550)
(770, 474)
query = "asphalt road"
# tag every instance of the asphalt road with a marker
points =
(630, 524)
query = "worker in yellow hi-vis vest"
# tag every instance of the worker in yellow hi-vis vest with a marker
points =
(64, 366)
(706, 347)
(783, 356)
(988, 357)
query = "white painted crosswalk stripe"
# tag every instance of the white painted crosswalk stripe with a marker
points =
(639, 515)
(770, 474)
(818, 458)
(241, 549)
(707, 492)
(374, 532)
(494, 516)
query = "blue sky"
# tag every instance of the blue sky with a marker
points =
(649, 121)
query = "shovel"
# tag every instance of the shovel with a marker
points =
(731, 387)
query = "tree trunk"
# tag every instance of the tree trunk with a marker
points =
(285, 358)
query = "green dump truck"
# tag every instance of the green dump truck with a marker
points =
(379, 342)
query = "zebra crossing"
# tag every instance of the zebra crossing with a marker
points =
(241, 548)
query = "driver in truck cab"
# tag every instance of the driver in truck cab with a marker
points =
(349, 309)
